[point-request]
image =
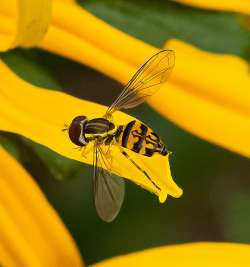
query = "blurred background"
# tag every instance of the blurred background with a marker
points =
(215, 205)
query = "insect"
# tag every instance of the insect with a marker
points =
(136, 136)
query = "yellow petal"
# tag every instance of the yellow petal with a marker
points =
(242, 6)
(190, 255)
(40, 114)
(69, 19)
(30, 20)
(212, 101)
(31, 233)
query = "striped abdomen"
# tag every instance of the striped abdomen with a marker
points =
(141, 139)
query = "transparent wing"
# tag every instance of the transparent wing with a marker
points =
(145, 82)
(108, 188)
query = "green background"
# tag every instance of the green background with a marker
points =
(216, 201)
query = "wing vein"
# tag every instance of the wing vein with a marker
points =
(146, 81)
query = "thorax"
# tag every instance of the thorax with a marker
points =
(99, 127)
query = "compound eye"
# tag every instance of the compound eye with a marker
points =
(76, 129)
(79, 119)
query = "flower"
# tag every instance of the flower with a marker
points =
(31, 232)
(206, 105)
(40, 115)
(226, 5)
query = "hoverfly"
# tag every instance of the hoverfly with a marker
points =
(136, 136)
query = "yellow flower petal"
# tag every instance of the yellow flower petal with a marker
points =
(212, 102)
(193, 255)
(69, 19)
(40, 115)
(31, 233)
(242, 6)
(29, 24)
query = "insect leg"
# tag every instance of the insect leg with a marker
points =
(86, 149)
(139, 168)
(110, 143)
(107, 157)
(66, 127)
(78, 148)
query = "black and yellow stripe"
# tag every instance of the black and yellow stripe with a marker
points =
(139, 138)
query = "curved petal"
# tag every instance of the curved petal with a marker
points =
(193, 255)
(29, 24)
(212, 101)
(40, 115)
(31, 233)
(224, 5)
